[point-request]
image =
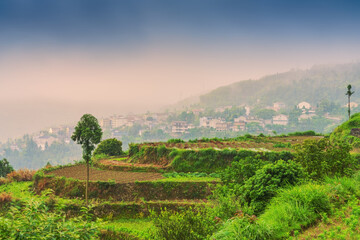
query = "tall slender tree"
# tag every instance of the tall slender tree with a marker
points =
(88, 133)
(349, 93)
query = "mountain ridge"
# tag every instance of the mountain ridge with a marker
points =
(312, 85)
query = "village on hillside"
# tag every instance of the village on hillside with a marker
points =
(226, 120)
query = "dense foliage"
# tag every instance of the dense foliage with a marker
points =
(33, 157)
(34, 221)
(87, 133)
(260, 188)
(5, 167)
(109, 147)
(321, 157)
(190, 224)
(343, 132)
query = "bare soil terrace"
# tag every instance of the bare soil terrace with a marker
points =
(79, 172)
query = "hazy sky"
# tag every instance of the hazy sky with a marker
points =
(62, 58)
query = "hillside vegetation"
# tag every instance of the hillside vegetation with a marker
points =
(249, 187)
(313, 85)
(343, 132)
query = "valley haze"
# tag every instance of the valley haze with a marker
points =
(61, 59)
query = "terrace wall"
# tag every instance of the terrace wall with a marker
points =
(200, 160)
(147, 190)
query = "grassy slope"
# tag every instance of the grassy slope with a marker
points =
(343, 131)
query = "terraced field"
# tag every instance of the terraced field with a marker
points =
(79, 172)
(269, 143)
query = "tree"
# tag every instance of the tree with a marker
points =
(87, 133)
(349, 93)
(264, 113)
(5, 167)
(110, 147)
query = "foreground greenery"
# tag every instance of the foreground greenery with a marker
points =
(312, 191)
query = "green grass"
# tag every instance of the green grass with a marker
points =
(122, 159)
(20, 190)
(189, 179)
(138, 227)
(344, 224)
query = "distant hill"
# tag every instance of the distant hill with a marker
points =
(313, 85)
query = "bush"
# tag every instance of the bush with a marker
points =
(34, 221)
(5, 167)
(5, 197)
(226, 203)
(306, 133)
(260, 188)
(175, 140)
(282, 145)
(110, 147)
(21, 175)
(242, 170)
(343, 132)
(320, 158)
(133, 149)
(191, 224)
(3, 181)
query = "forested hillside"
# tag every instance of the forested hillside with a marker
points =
(29, 155)
(313, 85)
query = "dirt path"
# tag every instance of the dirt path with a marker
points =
(79, 172)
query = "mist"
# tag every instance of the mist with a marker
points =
(61, 60)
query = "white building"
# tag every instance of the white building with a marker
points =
(240, 119)
(304, 105)
(214, 122)
(118, 121)
(204, 122)
(280, 120)
(352, 105)
(179, 127)
(105, 123)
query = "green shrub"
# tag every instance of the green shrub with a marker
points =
(342, 132)
(34, 221)
(282, 145)
(175, 140)
(320, 158)
(110, 147)
(260, 188)
(5, 167)
(241, 170)
(191, 224)
(226, 203)
(306, 133)
(133, 149)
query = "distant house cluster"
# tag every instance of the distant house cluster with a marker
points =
(45, 139)
(171, 124)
